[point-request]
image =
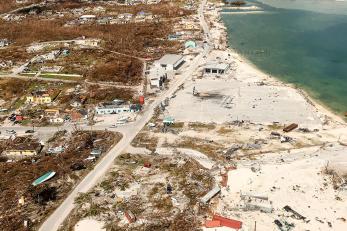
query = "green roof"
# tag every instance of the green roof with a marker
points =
(168, 120)
(190, 44)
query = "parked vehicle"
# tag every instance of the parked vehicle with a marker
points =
(11, 131)
(30, 131)
(120, 122)
(96, 152)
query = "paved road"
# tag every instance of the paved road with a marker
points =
(17, 76)
(59, 215)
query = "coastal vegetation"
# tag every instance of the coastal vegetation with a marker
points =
(234, 3)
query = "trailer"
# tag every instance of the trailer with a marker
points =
(205, 199)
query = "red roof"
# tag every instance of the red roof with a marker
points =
(212, 224)
(19, 118)
(228, 222)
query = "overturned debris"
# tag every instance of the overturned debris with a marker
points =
(130, 216)
(284, 226)
(205, 199)
(285, 139)
(257, 203)
(295, 214)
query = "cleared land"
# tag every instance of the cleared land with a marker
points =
(240, 96)
(139, 183)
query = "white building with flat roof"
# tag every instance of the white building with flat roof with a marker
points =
(216, 68)
(157, 76)
(170, 62)
(111, 109)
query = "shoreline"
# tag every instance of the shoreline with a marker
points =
(319, 106)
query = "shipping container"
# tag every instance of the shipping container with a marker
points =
(212, 224)
(231, 223)
(290, 127)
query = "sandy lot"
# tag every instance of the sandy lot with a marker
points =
(297, 182)
(241, 94)
(89, 224)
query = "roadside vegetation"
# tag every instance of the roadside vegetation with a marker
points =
(9, 5)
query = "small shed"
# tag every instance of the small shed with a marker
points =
(216, 68)
(170, 62)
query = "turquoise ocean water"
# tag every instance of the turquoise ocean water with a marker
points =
(303, 42)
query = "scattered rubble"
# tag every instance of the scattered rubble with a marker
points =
(24, 181)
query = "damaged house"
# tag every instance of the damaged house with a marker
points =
(19, 148)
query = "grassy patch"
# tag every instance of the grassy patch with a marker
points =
(106, 185)
(224, 130)
(275, 126)
(83, 198)
(210, 149)
(177, 125)
(143, 139)
(95, 210)
(201, 126)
